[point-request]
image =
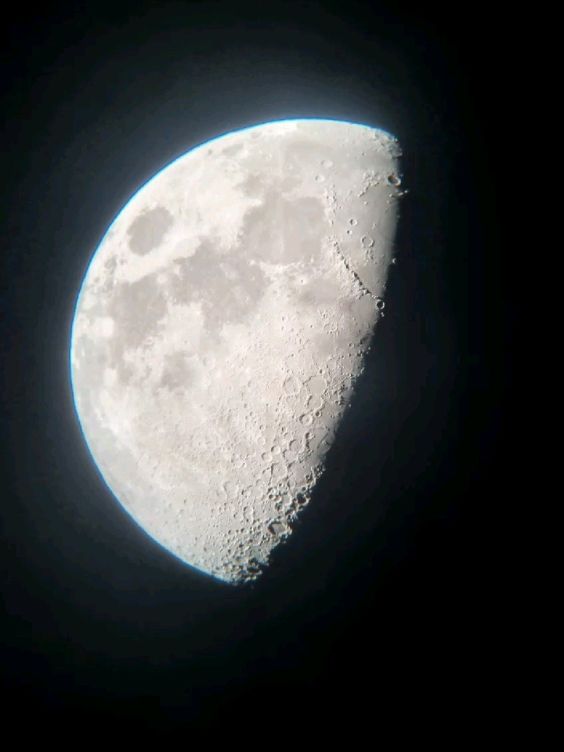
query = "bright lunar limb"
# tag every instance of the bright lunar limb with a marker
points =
(220, 328)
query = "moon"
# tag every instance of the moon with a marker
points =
(220, 328)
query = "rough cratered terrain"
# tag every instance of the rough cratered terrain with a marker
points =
(220, 328)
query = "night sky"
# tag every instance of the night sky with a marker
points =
(381, 602)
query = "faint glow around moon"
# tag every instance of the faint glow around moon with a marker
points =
(221, 325)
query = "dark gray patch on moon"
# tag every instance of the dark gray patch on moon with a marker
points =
(255, 185)
(296, 153)
(176, 374)
(230, 151)
(282, 231)
(137, 308)
(228, 287)
(252, 185)
(110, 265)
(314, 291)
(147, 231)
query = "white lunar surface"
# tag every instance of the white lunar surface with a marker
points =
(220, 328)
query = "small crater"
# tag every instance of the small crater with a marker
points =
(315, 403)
(229, 488)
(316, 385)
(253, 567)
(291, 386)
(278, 471)
(275, 528)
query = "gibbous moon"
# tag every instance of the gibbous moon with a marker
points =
(220, 328)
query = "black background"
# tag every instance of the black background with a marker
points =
(384, 600)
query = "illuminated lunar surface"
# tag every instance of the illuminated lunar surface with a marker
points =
(220, 328)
